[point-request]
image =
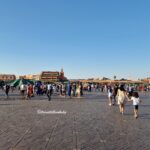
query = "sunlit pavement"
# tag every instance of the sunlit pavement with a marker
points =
(89, 124)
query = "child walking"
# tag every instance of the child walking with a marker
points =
(136, 100)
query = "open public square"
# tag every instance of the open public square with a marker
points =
(74, 75)
(87, 124)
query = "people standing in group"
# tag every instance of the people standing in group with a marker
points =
(49, 91)
(136, 100)
(121, 96)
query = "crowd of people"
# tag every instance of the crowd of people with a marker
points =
(117, 94)
(28, 91)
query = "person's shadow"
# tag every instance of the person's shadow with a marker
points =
(145, 116)
(144, 105)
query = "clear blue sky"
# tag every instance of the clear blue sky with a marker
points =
(88, 38)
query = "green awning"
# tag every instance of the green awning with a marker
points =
(19, 82)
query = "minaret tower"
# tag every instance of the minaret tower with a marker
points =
(62, 73)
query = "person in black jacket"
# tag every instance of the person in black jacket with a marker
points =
(7, 88)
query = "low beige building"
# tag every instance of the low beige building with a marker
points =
(147, 80)
(7, 77)
(30, 77)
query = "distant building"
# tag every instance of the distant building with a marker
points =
(22, 77)
(104, 78)
(90, 78)
(7, 77)
(36, 77)
(30, 77)
(146, 80)
(52, 76)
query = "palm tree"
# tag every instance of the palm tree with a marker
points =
(115, 77)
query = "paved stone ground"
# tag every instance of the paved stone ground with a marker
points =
(90, 124)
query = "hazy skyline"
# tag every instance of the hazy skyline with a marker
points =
(88, 38)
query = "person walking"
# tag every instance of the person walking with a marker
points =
(7, 88)
(81, 89)
(22, 90)
(136, 100)
(74, 89)
(78, 91)
(60, 89)
(110, 94)
(121, 95)
(69, 90)
(49, 91)
(29, 91)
